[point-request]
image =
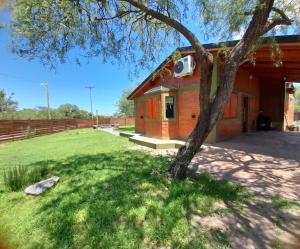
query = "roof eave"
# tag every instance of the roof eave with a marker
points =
(211, 47)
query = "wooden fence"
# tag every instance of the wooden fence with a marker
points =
(12, 130)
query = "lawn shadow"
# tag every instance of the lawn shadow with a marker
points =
(120, 200)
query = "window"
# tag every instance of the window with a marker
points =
(230, 110)
(170, 107)
(152, 106)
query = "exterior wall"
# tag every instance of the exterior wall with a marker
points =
(246, 85)
(188, 110)
(262, 95)
(272, 102)
(166, 79)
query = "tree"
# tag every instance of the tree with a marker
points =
(70, 111)
(7, 104)
(115, 29)
(125, 106)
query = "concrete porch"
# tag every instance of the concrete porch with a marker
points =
(153, 143)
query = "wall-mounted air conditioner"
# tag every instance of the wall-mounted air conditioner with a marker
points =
(184, 66)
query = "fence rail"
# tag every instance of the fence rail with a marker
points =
(12, 130)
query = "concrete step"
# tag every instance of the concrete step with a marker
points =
(156, 143)
(127, 134)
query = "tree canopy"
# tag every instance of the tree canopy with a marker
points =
(7, 104)
(65, 111)
(125, 106)
(116, 30)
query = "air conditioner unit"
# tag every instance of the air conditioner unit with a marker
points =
(184, 66)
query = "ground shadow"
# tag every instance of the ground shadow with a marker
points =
(285, 145)
(123, 200)
(270, 175)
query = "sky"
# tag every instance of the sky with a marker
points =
(66, 84)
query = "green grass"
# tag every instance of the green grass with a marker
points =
(107, 197)
(284, 204)
(126, 128)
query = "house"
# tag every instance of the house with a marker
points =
(167, 107)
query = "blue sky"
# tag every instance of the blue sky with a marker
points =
(66, 84)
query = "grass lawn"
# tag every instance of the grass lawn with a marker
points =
(108, 197)
(126, 128)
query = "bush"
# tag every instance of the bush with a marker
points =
(15, 177)
(29, 132)
(37, 173)
(19, 176)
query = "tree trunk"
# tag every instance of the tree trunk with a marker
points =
(186, 153)
(212, 107)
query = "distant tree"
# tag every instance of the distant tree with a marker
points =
(70, 111)
(65, 111)
(125, 106)
(138, 32)
(7, 104)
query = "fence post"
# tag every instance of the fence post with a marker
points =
(12, 130)
(51, 126)
(29, 125)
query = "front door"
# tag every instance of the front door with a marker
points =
(245, 113)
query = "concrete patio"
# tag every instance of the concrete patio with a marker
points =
(266, 162)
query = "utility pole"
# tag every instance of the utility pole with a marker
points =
(97, 118)
(91, 100)
(48, 98)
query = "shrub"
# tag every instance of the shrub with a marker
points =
(19, 176)
(37, 173)
(15, 177)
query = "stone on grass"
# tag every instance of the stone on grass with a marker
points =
(40, 187)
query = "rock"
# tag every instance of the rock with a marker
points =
(40, 187)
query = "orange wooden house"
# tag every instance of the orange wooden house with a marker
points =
(167, 107)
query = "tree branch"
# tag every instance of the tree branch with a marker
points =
(282, 20)
(200, 50)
